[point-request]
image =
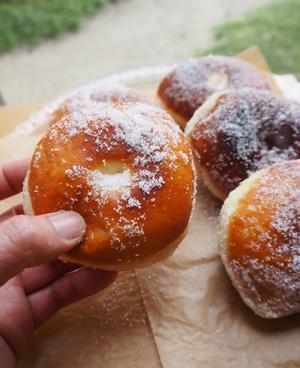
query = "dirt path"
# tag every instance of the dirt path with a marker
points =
(130, 34)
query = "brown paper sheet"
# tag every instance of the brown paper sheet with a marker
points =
(254, 56)
(109, 330)
(196, 317)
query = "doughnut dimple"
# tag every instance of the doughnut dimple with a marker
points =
(127, 170)
(94, 93)
(260, 240)
(190, 84)
(236, 133)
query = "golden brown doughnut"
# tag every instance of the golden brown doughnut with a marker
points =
(260, 240)
(190, 84)
(236, 133)
(128, 170)
(94, 93)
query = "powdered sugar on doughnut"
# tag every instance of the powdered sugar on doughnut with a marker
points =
(142, 131)
(247, 131)
(189, 85)
(264, 129)
(99, 91)
(267, 271)
(110, 182)
(216, 73)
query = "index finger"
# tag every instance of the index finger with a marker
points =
(11, 177)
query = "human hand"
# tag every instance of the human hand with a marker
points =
(34, 284)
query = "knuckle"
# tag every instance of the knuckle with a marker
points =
(15, 235)
(20, 229)
(75, 289)
(21, 233)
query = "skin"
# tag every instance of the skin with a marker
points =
(34, 284)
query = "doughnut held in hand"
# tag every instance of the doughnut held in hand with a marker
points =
(236, 133)
(128, 171)
(190, 84)
(260, 240)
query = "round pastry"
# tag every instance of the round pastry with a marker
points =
(190, 84)
(94, 93)
(236, 133)
(260, 240)
(128, 170)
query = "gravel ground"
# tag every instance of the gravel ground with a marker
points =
(126, 35)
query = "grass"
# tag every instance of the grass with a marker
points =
(275, 28)
(28, 21)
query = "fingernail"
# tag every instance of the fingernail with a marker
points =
(69, 225)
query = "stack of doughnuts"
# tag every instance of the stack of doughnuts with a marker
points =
(122, 162)
(246, 142)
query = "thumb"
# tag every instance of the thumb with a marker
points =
(29, 241)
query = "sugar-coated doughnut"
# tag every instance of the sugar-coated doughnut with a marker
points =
(190, 84)
(128, 170)
(94, 93)
(260, 240)
(236, 133)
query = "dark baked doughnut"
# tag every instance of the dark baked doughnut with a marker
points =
(236, 133)
(190, 84)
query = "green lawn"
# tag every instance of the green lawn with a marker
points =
(29, 21)
(275, 28)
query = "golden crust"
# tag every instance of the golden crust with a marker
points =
(202, 113)
(181, 120)
(134, 263)
(211, 185)
(259, 240)
(128, 171)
